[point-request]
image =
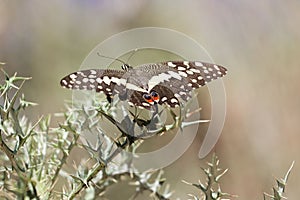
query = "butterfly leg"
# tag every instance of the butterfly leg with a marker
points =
(109, 98)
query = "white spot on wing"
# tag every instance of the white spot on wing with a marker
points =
(181, 68)
(189, 72)
(92, 80)
(99, 80)
(134, 87)
(92, 76)
(177, 96)
(123, 81)
(93, 71)
(81, 73)
(164, 99)
(182, 74)
(171, 64)
(64, 82)
(73, 76)
(106, 80)
(217, 67)
(115, 80)
(85, 80)
(173, 100)
(175, 75)
(155, 80)
(145, 104)
(198, 64)
(195, 70)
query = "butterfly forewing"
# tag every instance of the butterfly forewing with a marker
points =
(171, 81)
(197, 73)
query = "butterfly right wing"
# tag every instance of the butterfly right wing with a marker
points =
(107, 81)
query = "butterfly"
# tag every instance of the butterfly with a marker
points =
(149, 84)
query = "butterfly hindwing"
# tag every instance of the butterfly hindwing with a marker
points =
(166, 96)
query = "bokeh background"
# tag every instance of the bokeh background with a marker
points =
(258, 41)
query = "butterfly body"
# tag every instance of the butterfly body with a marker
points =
(148, 84)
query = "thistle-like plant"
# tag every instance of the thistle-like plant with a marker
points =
(35, 158)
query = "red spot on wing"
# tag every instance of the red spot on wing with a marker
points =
(156, 99)
(155, 96)
(149, 100)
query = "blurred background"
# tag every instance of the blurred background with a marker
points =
(258, 41)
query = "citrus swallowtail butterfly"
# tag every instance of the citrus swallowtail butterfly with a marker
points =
(148, 84)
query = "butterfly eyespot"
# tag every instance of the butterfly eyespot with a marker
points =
(147, 97)
(155, 96)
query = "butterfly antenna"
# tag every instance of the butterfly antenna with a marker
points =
(133, 52)
(103, 56)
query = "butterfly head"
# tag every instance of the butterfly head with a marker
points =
(126, 67)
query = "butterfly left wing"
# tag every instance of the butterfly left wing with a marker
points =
(107, 81)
